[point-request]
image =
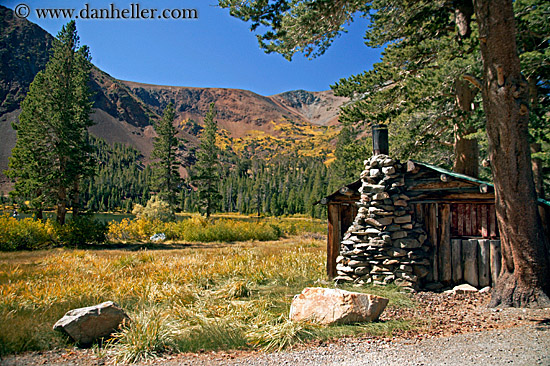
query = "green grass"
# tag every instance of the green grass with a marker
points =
(204, 297)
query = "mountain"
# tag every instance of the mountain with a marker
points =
(124, 111)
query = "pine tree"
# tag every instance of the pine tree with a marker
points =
(165, 147)
(52, 153)
(207, 169)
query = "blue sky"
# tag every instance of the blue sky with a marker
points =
(215, 50)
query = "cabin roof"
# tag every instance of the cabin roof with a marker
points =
(355, 185)
(451, 173)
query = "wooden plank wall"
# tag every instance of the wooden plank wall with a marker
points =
(340, 218)
(473, 219)
(458, 259)
(333, 243)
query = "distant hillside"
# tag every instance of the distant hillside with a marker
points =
(298, 121)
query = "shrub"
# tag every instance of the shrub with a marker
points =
(26, 234)
(81, 230)
(138, 229)
(281, 334)
(199, 229)
(195, 229)
(147, 336)
(156, 209)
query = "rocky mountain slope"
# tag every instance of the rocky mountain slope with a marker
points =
(125, 110)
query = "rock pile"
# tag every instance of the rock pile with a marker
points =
(384, 244)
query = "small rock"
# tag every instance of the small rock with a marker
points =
(406, 243)
(464, 288)
(401, 203)
(379, 222)
(373, 188)
(379, 269)
(396, 252)
(399, 235)
(344, 268)
(356, 263)
(389, 170)
(375, 172)
(343, 278)
(390, 262)
(361, 271)
(381, 196)
(402, 219)
(485, 290)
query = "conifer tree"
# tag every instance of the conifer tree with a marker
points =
(52, 153)
(207, 169)
(165, 147)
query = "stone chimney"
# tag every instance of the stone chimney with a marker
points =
(380, 143)
(384, 244)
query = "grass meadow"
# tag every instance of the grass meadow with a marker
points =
(199, 296)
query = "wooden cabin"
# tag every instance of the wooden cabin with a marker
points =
(458, 215)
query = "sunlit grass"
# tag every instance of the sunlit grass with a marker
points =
(204, 297)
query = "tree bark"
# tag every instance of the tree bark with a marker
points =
(524, 279)
(75, 202)
(61, 200)
(61, 212)
(466, 149)
(466, 155)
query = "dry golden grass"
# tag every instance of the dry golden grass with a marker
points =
(211, 296)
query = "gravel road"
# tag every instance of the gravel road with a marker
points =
(523, 345)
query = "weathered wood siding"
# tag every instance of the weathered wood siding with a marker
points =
(473, 219)
(340, 217)
(459, 234)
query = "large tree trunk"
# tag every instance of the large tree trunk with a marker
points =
(524, 280)
(75, 202)
(61, 205)
(466, 149)
(466, 155)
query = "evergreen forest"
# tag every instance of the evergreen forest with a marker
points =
(283, 185)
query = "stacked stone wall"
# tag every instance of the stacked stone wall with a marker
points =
(384, 244)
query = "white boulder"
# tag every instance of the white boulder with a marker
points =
(329, 306)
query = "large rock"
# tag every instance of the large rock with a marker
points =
(329, 306)
(85, 325)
